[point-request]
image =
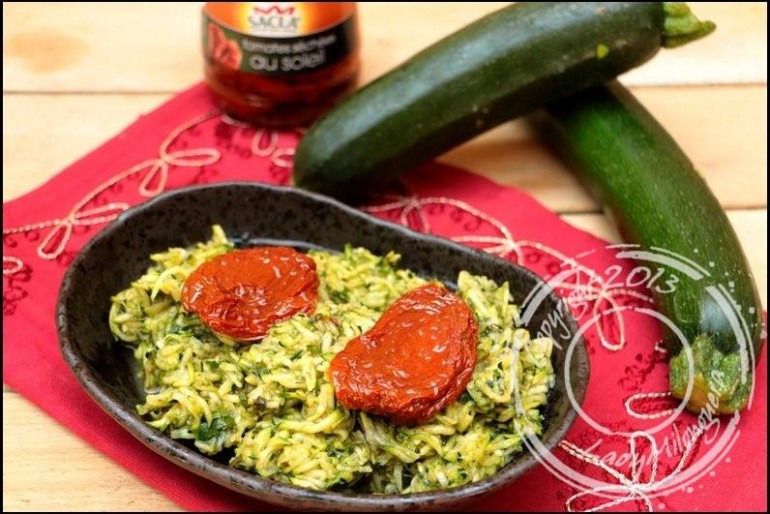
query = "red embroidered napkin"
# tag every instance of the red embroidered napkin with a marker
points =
(700, 463)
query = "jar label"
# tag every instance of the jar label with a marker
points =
(278, 38)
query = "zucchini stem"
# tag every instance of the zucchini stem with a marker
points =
(681, 26)
(717, 381)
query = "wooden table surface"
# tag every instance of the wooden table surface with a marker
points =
(74, 75)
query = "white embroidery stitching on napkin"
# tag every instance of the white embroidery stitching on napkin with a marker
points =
(504, 245)
(631, 487)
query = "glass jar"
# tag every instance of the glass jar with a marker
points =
(283, 63)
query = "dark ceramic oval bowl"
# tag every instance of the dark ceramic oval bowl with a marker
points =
(260, 214)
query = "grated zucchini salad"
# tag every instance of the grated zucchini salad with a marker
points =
(271, 405)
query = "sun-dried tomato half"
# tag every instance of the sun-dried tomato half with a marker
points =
(243, 293)
(416, 360)
(216, 37)
(222, 49)
(229, 54)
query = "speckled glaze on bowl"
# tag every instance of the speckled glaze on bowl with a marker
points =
(260, 214)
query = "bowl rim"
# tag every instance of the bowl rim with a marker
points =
(251, 483)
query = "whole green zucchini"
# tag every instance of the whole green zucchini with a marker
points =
(651, 190)
(504, 65)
